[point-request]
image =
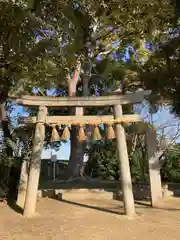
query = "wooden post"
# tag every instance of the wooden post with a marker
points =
(22, 184)
(154, 167)
(125, 174)
(35, 164)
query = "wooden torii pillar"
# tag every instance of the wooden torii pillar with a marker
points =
(35, 164)
(125, 174)
(117, 119)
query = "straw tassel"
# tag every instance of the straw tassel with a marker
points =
(96, 134)
(65, 134)
(82, 135)
(110, 132)
(54, 135)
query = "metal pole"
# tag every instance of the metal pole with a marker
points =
(54, 171)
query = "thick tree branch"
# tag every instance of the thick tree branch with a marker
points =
(72, 82)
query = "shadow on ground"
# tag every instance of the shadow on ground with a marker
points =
(91, 207)
(119, 211)
(12, 204)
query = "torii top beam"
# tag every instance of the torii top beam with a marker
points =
(93, 101)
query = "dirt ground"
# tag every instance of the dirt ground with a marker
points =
(91, 219)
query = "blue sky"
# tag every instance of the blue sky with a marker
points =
(162, 118)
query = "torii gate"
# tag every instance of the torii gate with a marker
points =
(117, 118)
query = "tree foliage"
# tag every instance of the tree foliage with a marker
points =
(68, 29)
(170, 171)
(103, 156)
(103, 163)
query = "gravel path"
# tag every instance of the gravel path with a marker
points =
(91, 220)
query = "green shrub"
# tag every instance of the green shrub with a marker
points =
(170, 171)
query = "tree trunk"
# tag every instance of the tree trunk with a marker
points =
(77, 148)
(76, 154)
